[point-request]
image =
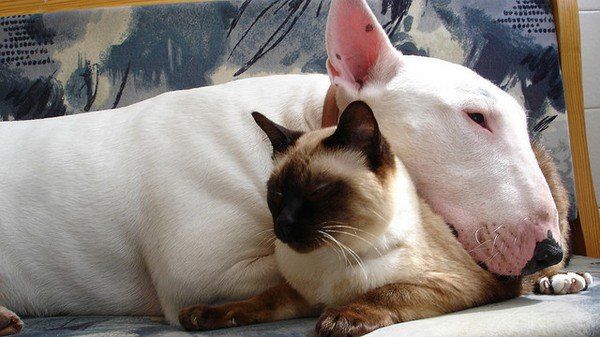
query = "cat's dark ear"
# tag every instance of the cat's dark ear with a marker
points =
(358, 130)
(281, 138)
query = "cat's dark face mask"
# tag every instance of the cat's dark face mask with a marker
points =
(328, 185)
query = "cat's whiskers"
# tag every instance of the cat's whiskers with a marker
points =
(381, 240)
(377, 214)
(268, 238)
(349, 250)
(330, 245)
(357, 259)
(356, 236)
(264, 231)
(345, 226)
(333, 240)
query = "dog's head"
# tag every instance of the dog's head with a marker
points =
(463, 140)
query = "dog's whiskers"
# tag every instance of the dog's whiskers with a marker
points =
(479, 245)
(477, 234)
(495, 238)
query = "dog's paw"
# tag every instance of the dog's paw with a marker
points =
(205, 317)
(563, 283)
(10, 323)
(347, 322)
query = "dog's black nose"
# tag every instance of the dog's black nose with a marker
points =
(547, 253)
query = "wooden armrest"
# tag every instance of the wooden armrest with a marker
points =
(15, 7)
(566, 17)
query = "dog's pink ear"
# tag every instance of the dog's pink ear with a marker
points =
(358, 49)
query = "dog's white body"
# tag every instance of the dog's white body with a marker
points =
(155, 205)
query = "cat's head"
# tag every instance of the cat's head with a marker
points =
(331, 186)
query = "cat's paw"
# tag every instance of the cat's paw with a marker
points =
(202, 317)
(563, 283)
(206, 317)
(347, 322)
(10, 323)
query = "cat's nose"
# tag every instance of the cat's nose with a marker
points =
(287, 218)
(283, 227)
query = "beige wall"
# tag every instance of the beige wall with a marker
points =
(589, 16)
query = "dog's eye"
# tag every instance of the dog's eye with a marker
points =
(477, 118)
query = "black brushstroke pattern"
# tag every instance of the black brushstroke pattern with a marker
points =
(181, 50)
(295, 10)
(260, 15)
(43, 98)
(543, 124)
(122, 87)
(319, 8)
(90, 86)
(545, 70)
(36, 29)
(237, 18)
(398, 9)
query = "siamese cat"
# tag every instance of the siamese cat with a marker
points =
(354, 242)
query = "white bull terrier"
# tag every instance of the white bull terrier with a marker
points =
(145, 209)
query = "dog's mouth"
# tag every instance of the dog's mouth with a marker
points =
(481, 264)
(509, 251)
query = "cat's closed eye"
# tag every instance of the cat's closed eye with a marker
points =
(323, 189)
(275, 196)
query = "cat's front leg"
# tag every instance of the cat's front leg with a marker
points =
(387, 305)
(10, 323)
(278, 303)
(355, 319)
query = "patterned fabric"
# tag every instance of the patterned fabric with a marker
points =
(532, 315)
(73, 62)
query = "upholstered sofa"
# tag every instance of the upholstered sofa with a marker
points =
(78, 61)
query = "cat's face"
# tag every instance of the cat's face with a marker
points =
(330, 187)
